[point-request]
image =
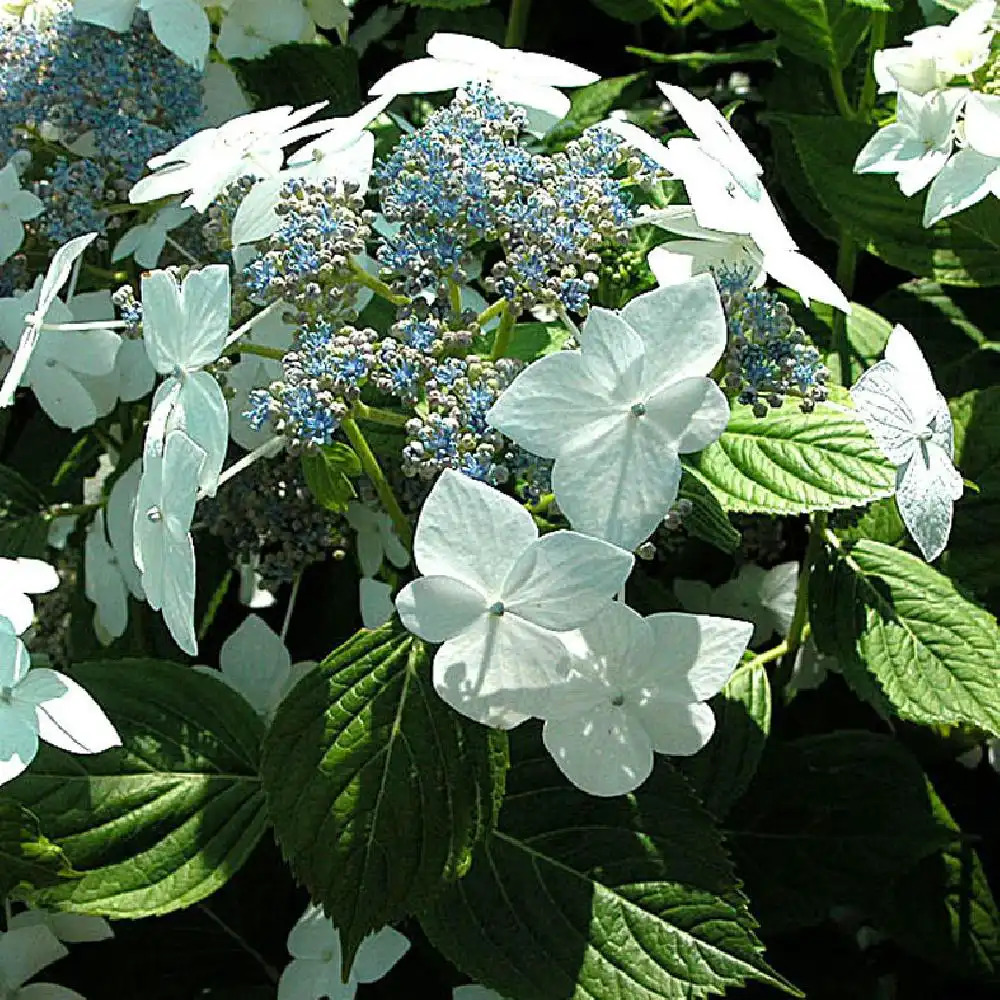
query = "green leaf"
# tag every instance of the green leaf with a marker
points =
(943, 911)
(831, 820)
(722, 772)
(531, 341)
(825, 32)
(961, 250)
(629, 11)
(28, 860)
(577, 896)
(591, 104)
(17, 495)
(791, 462)
(707, 520)
(377, 789)
(23, 530)
(165, 820)
(932, 650)
(445, 4)
(329, 469)
(302, 73)
(973, 553)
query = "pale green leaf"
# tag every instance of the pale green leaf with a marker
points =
(28, 860)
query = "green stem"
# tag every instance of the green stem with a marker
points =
(880, 23)
(380, 288)
(800, 616)
(73, 510)
(455, 295)
(377, 415)
(275, 353)
(269, 970)
(840, 95)
(491, 313)
(369, 463)
(847, 262)
(517, 23)
(504, 331)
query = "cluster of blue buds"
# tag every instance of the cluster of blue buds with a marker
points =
(118, 99)
(769, 357)
(462, 181)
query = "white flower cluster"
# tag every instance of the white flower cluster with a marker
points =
(947, 132)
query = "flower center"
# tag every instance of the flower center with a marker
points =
(618, 699)
(154, 514)
(638, 409)
(497, 608)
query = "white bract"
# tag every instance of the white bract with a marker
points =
(909, 419)
(917, 146)
(765, 597)
(496, 595)
(974, 171)
(18, 578)
(255, 662)
(251, 28)
(145, 242)
(376, 538)
(24, 952)
(705, 250)
(181, 25)
(314, 972)
(43, 703)
(617, 415)
(162, 546)
(376, 602)
(938, 53)
(638, 685)
(16, 207)
(73, 928)
(528, 79)
(204, 164)
(184, 328)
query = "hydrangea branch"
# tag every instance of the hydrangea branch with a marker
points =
(517, 23)
(504, 331)
(880, 24)
(378, 415)
(380, 288)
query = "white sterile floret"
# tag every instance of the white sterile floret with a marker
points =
(346, 152)
(16, 207)
(181, 25)
(909, 419)
(375, 598)
(473, 991)
(146, 241)
(638, 685)
(496, 595)
(376, 538)
(162, 546)
(43, 704)
(73, 928)
(314, 972)
(703, 250)
(251, 28)
(204, 164)
(617, 415)
(765, 597)
(528, 79)
(917, 146)
(255, 662)
(974, 171)
(184, 327)
(18, 578)
(24, 952)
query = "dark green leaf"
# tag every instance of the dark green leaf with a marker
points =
(707, 520)
(630, 11)
(28, 860)
(163, 821)
(445, 4)
(328, 470)
(825, 32)
(592, 104)
(378, 791)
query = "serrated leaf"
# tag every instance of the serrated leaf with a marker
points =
(791, 462)
(593, 103)
(722, 772)
(961, 250)
(831, 820)
(378, 791)
(581, 897)
(28, 860)
(932, 650)
(825, 32)
(328, 470)
(943, 910)
(707, 520)
(165, 820)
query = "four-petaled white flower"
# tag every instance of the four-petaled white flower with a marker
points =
(24, 952)
(43, 703)
(910, 421)
(16, 207)
(617, 414)
(145, 242)
(255, 662)
(974, 171)
(496, 595)
(18, 578)
(765, 597)
(938, 53)
(528, 79)
(251, 28)
(638, 685)
(181, 25)
(314, 972)
(917, 146)
(162, 546)
(184, 328)
(205, 163)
